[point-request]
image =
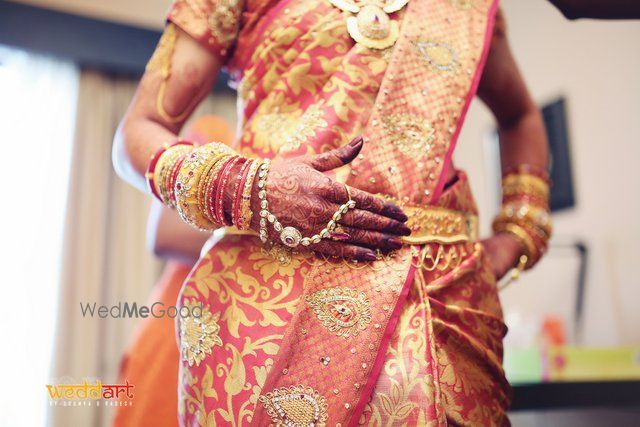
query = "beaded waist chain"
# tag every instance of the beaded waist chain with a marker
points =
(428, 224)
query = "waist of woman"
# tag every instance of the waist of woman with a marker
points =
(428, 224)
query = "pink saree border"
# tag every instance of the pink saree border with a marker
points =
(472, 92)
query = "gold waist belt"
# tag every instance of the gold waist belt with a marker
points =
(428, 225)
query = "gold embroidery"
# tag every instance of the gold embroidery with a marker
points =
(224, 21)
(161, 58)
(310, 121)
(296, 406)
(439, 55)
(198, 334)
(412, 135)
(462, 4)
(342, 310)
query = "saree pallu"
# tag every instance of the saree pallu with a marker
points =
(442, 363)
(287, 338)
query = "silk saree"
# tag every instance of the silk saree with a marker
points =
(290, 338)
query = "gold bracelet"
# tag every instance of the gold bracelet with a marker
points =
(210, 175)
(514, 273)
(526, 242)
(165, 166)
(189, 182)
(528, 216)
(520, 184)
(246, 214)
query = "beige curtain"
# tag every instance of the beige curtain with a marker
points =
(105, 259)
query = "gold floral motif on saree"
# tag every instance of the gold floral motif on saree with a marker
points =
(342, 310)
(310, 121)
(412, 135)
(198, 334)
(224, 22)
(462, 4)
(295, 406)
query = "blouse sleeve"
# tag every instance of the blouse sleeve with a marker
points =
(213, 23)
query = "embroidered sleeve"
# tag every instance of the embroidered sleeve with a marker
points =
(213, 23)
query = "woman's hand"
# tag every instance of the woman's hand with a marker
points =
(503, 251)
(301, 196)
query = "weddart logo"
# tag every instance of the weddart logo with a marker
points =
(90, 393)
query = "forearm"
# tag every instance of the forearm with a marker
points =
(135, 142)
(171, 238)
(524, 142)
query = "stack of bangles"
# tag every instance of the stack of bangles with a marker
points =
(525, 212)
(194, 179)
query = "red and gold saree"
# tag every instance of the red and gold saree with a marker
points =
(288, 338)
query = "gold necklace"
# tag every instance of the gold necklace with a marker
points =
(371, 25)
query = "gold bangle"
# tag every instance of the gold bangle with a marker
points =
(528, 216)
(210, 175)
(165, 166)
(521, 234)
(522, 184)
(189, 181)
(246, 214)
(514, 273)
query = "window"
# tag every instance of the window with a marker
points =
(37, 119)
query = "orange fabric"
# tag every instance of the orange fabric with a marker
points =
(151, 362)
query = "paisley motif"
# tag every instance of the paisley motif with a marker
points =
(439, 55)
(296, 406)
(412, 135)
(342, 310)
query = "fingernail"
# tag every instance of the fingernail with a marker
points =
(370, 256)
(394, 243)
(404, 230)
(395, 211)
(340, 236)
(356, 141)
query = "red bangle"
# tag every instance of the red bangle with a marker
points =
(150, 172)
(151, 167)
(237, 198)
(221, 186)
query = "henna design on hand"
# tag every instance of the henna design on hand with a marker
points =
(302, 196)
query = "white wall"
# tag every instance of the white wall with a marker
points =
(596, 66)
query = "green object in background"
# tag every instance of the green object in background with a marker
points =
(523, 366)
(566, 363)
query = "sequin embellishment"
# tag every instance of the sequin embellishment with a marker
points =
(296, 406)
(198, 334)
(412, 135)
(342, 310)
